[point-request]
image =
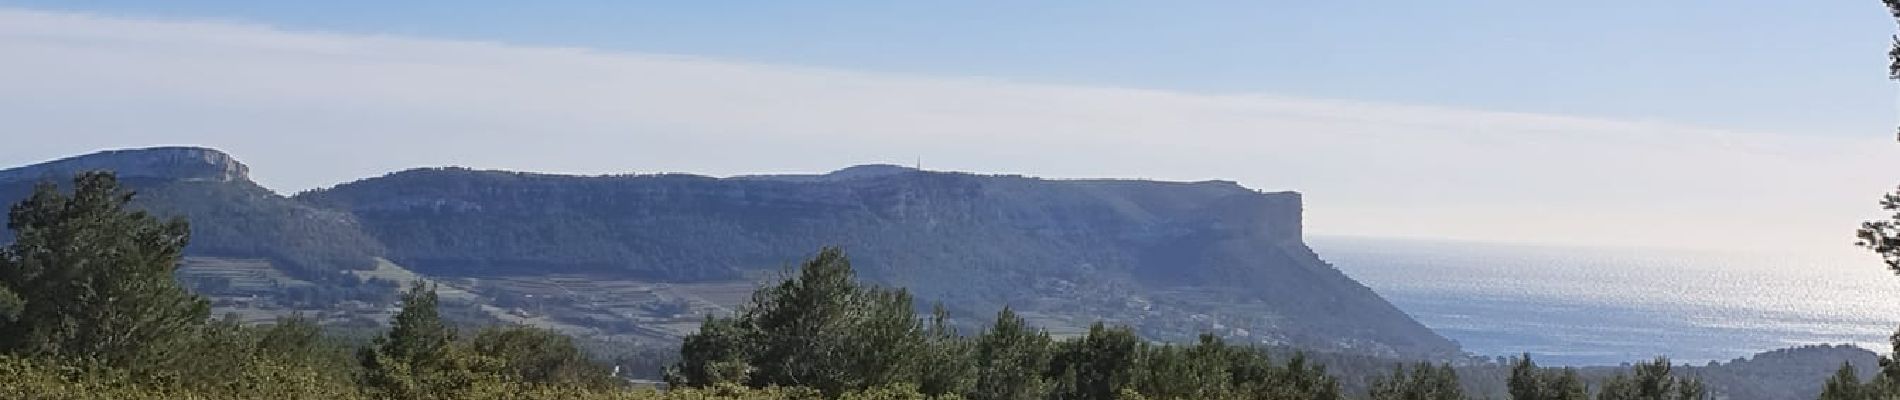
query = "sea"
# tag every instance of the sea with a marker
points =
(1607, 306)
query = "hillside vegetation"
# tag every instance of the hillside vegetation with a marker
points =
(637, 258)
(1172, 259)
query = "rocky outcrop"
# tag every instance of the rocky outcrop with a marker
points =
(171, 163)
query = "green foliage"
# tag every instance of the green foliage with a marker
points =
(418, 358)
(822, 330)
(817, 329)
(539, 356)
(1174, 372)
(1883, 238)
(1209, 369)
(1846, 385)
(40, 379)
(1652, 381)
(1010, 359)
(44, 378)
(1424, 382)
(1097, 366)
(227, 361)
(1528, 382)
(895, 392)
(1298, 380)
(714, 355)
(88, 278)
(290, 355)
(948, 366)
(10, 305)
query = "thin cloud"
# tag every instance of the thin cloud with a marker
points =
(311, 109)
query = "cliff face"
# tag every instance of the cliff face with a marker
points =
(1177, 258)
(463, 219)
(170, 163)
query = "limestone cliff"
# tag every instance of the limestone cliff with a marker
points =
(172, 163)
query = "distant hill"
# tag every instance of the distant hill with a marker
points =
(642, 255)
(1176, 257)
(230, 215)
(1786, 374)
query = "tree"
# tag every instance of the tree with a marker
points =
(417, 358)
(86, 277)
(1299, 379)
(1529, 382)
(1010, 359)
(1096, 366)
(1846, 385)
(1652, 381)
(948, 366)
(715, 355)
(1191, 372)
(1883, 236)
(1425, 382)
(287, 359)
(541, 357)
(818, 329)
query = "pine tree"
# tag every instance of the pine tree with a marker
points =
(1300, 379)
(1883, 238)
(1010, 359)
(86, 277)
(418, 358)
(818, 329)
(1100, 364)
(1529, 382)
(1845, 385)
(1425, 382)
(1199, 371)
(947, 364)
(1652, 381)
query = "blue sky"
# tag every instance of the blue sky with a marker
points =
(1800, 67)
(1746, 125)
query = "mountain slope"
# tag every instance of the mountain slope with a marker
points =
(1173, 259)
(230, 216)
(641, 256)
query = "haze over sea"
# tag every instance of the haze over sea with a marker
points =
(1605, 306)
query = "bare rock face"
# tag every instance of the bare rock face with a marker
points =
(170, 163)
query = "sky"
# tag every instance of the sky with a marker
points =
(1755, 125)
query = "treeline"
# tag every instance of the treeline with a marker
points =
(89, 309)
(820, 329)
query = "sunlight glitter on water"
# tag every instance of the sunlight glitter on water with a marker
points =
(1582, 306)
